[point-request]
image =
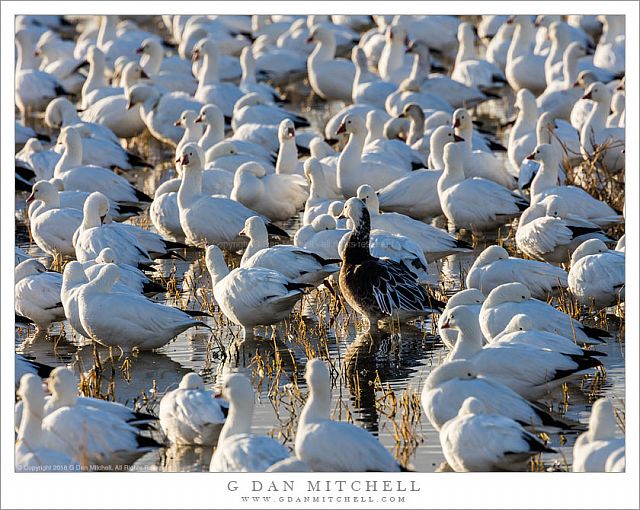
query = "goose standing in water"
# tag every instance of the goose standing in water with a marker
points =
(378, 288)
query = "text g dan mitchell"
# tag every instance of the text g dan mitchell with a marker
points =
(324, 486)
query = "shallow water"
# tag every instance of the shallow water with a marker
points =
(398, 362)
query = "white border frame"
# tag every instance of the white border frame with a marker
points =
(439, 490)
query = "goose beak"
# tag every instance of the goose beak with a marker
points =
(576, 84)
(341, 129)
(129, 105)
(102, 219)
(198, 119)
(30, 198)
(510, 20)
(139, 50)
(446, 325)
(242, 233)
(309, 40)
(36, 53)
(291, 131)
(144, 75)
(456, 123)
(185, 159)
(410, 45)
(457, 138)
(178, 122)
(407, 42)
(587, 96)
(531, 156)
(195, 55)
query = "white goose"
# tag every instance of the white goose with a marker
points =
(320, 195)
(524, 69)
(469, 69)
(522, 138)
(478, 441)
(61, 113)
(394, 65)
(353, 169)
(133, 321)
(449, 385)
(131, 74)
(592, 448)
(193, 130)
(277, 196)
(434, 242)
(73, 279)
(190, 414)
(476, 204)
(171, 74)
(367, 87)
(297, 264)
(37, 294)
(393, 151)
(595, 135)
(330, 78)
(253, 296)
(76, 176)
(471, 299)
(226, 155)
(252, 109)
(248, 83)
(196, 208)
(582, 203)
(238, 449)
(31, 450)
(52, 226)
(610, 51)
(493, 267)
(529, 371)
(321, 236)
(511, 299)
(328, 445)
(597, 274)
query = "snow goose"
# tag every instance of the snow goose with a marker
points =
(378, 288)
(610, 51)
(212, 119)
(547, 232)
(193, 130)
(475, 204)
(471, 299)
(498, 47)
(190, 414)
(410, 91)
(276, 196)
(522, 331)
(592, 448)
(239, 450)
(59, 64)
(510, 299)
(434, 242)
(321, 236)
(616, 118)
(524, 69)
(252, 296)
(478, 441)
(133, 321)
(97, 76)
(38, 162)
(353, 170)
(377, 146)
(37, 294)
(52, 227)
(195, 207)
(394, 65)
(330, 78)
(34, 89)
(529, 371)
(597, 274)
(160, 111)
(31, 451)
(522, 138)
(468, 69)
(253, 109)
(367, 87)
(131, 74)
(73, 279)
(493, 267)
(449, 385)
(118, 114)
(297, 264)
(596, 137)
(172, 76)
(582, 107)
(210, 88)
(582, 203)
(248, 83)
(320, 195)
(329, 445)
(226, 155)
(130, 276)
(479, 163)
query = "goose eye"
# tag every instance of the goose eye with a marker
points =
(524, 297)
(469, 374)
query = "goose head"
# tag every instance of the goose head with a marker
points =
(191, 381)
(589, 247)
(545, 128)
(250, 99)
(221, 150)
(187, 119)
(585, 78)
(598, 93)
(472, 406)
(63, 387)
(73, 275)
(352, 124)
(56, 111)
(70, 138)
(602, 423)
(525, 101)
(466, 34)
(216, 265)
(440, 137)
(31, 391)
(139, 93)
(519, 322)
(33, 145)
(211, 115)
(95, 56)
(356, 210)
(43, 191)
(150, 47)
(466, 297)
(508, 293)
(413, 111)
(462, 120)
(107, 277)
(369, 196)
(205, 47)
(543, 153)
(106, 256)
(286, 131)
(492, 254)
(460, 318)
(313, 170)
(29, 267)
(238, 391)
(459, 369)
(255, 229)
(95, 209)
(319, 148)
(325, 221)
(191, 158)
(317, 376)
(359, 58)
(253, 168)
(453, 157)
(132, 72)
(397, 34)
(321, 35)
(556, 206)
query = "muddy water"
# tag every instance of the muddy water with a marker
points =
(398, 363)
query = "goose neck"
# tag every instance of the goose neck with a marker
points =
(30, 430)
(469, 342)
(318, 190)
(351, 157)
(71, 158)
(546, 177)
(151, 61)
(317, 408)
(25, 59)
(209, 73)
(107, 31)
(356, 249)
(238, 421)
(190, 187)
(287, 157)
(466, 51)
(214, 133)
(323, 52)
(256, 243)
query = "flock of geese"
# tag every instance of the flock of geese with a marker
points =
(214, 91)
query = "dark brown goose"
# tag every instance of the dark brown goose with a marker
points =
(378, 288)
